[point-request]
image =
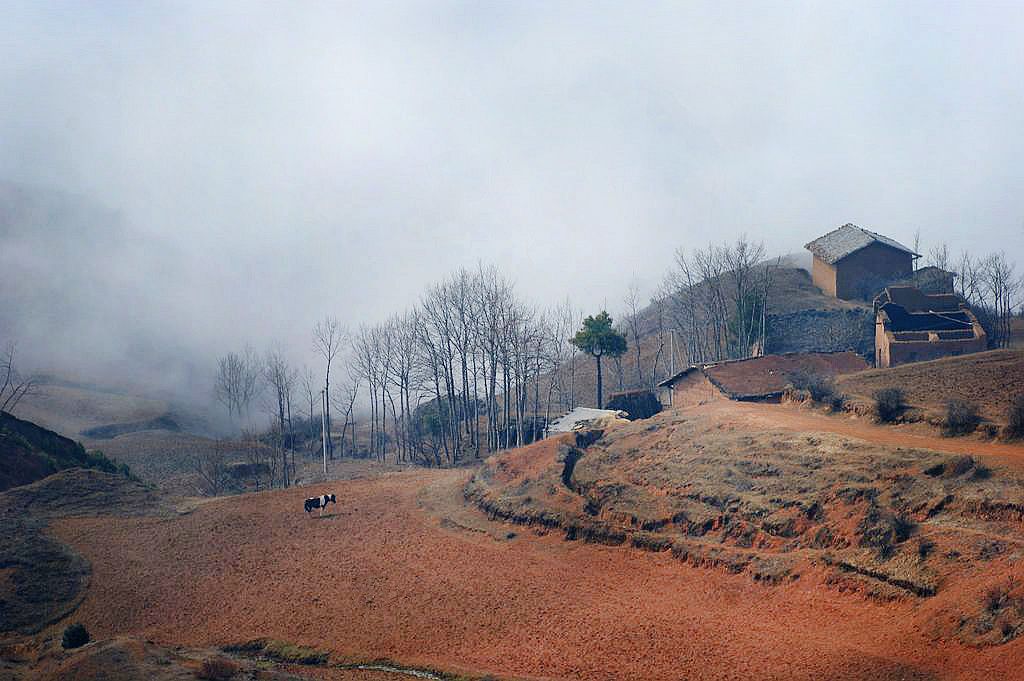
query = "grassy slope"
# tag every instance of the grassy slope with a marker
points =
(29, 452)
(989, 379)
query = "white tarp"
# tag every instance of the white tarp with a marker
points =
(579, 417)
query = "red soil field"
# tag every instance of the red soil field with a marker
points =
(402, 569)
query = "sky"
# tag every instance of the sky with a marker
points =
(242, 169)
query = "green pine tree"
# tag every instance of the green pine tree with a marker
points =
(599, 338)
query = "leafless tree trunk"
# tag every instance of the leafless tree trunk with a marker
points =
(211, 468)
(14, 386)
(237, 381)
(328, 336)
(310, 390)
(280, 378)
(633, 325)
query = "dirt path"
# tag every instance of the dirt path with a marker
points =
(794, 418)
(390, 574)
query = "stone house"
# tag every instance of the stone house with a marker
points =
(852, 262)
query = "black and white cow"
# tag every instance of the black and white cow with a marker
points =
(319, 502)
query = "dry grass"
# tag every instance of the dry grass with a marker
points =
(988, 379)
(758, 502)
(70, 409)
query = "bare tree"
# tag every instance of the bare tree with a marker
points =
(716, 298)
(280, 378)
(237, 381)
(211, 468)
(1002, 287)
(345, 401)
(632, 322)
(328, 336)
(14, 386)
(310, 391)
(917, 245)
(258, 458)
(939, 256)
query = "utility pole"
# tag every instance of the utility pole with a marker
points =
(672, 352)
(323, 424)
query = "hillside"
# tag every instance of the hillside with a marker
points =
(774, 504)
(730, 528)
(41, 580)
(29, 452)
(155, 437)
(801, 318)
(988, 379)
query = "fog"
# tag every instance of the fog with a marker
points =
(177, 179)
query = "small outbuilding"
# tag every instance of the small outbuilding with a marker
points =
(852, 262)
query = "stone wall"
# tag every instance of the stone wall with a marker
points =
(822, 331)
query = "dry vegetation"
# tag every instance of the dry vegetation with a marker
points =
(403, 569)
(767, 503)
(989, 380)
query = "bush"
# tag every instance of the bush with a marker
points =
(280, 651)
(217, 669)
(1015, 417)
(962, 418)
(75, 636)
(889, 404)
(819, 386)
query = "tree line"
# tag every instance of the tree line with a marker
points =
(991, 286)
(470, 369)
(473, 367)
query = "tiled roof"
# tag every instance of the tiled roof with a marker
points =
(847, 240)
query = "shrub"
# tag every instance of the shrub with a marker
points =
(962, 418)
(999, 596)
(217, 669)
(889, 404)
(75, 636)
(1015, 417)
(820, 386)
(282, 651)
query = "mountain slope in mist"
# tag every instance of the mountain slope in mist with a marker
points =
(83, 293)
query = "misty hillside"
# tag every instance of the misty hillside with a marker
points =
(80, 293)
(29, 452)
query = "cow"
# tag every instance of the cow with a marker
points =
(319, 502)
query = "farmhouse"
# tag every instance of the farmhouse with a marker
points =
(911, 326)
(852, 262)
